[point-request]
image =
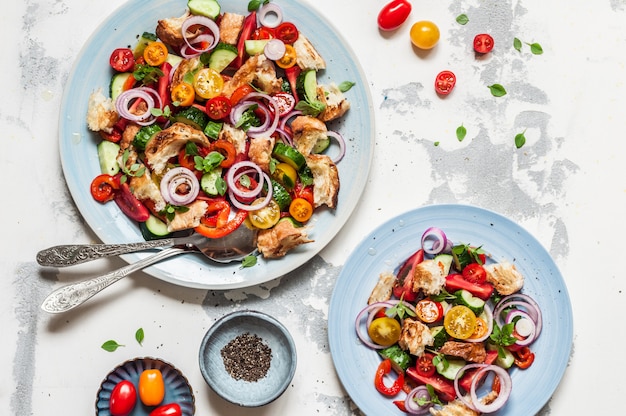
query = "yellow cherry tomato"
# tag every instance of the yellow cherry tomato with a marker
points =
(208, 83)
(285, 174)
(481, 329)
(151, 387)
(384, 331)
(424, 34)
(265, 217)
(300, 209)
(155, 53)
(460, 322)
(183, 94)
(289, 58)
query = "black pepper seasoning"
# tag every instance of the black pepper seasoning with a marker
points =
(247, 357)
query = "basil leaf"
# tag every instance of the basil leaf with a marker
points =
(497, 90)
(139, 335)
(536, 48)
(345, 86)
(461, 131)
(462, 19)
(517, 44)
(110, 345)
(520, 140)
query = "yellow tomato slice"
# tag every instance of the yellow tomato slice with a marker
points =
(481, 329)
(265, 217)
(460, 322)
(155, 53)
(208, 83)
(183, 94)
(289, 58)
(384, 331)
(286, 174)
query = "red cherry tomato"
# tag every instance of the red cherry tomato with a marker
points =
(263, 33)
(424, 365)
(218, 107)
(444, 82)
(393, 14)
(287, 32)
(122, 60)
(286, 102)
(474, 273)
(123, 398)
(172, 409)
(483, 43)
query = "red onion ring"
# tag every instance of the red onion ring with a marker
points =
(239, 169)
(342, 145)
(258, 205)
(286, 137)
(370, 311)
(506, 385)
(419, 392)
(530, 306)
(265, 132)
(125, 100)
(284, 119)
(274, 49)
(210, 25)
(457, 389)
(173, 179)
(268, 10)
(528, 338)
(438, 238)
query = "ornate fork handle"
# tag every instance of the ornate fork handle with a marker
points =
(70, 296)
(71, 254)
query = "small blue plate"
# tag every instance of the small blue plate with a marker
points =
(177, 389)
(240, 392)
(394, 241)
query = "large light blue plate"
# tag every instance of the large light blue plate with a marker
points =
(391, 243)
(80, 161)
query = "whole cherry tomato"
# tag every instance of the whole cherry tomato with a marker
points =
(123, 398)
(122, 60)
(151, 387)
(444, 82)
(393, 14)
(172, 409)
(483, 43)
(424, 34)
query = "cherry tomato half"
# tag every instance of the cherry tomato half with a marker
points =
(300, 209)
(263, 33)
(429, 311)
(183, 94)
(444, 82)
(240, 92)
(393, 14)
(474, 273)
(289, 59)
(208, 83)
(424, 34)
(287, 32)
(123, 398)
(122, 60)
(155, 53)
(483, 43)
(384, 331)
(151, 387)
(218, 107)
(424, 364)
(286, 102)
(460, 322)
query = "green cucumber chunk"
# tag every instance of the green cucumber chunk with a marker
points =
(107, 156)
(446, 260)
(212, 182)
(321, 144)
(255, 46)
(116, 86)
(153, 228)
(192, 116)
(465, 297)
(306, 85)
(222, 56)
(144, 135)
(143, 41)
(440, 336)
(450, 367)
(208, 8)
(289, 155)
(280, 195)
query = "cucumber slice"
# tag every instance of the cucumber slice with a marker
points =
(210, 182)
(116, 86)
(446, 260)
(208, 8)
(153, 228)
(107, 156)
(255, 46)
(506, 361)
(440, 336)
(466, 298)
(306, 85)
(450, 367)
(143, 41)
(144, 135)
(289, 155)
(222, 56)
(280, 195)
(192, 116)
(173, 60)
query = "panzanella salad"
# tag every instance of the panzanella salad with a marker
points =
(216, 121)
(448, 326)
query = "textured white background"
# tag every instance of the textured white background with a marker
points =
(566, 186)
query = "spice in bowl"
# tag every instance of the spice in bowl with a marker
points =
(247, 357)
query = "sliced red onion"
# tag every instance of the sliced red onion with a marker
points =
(524, 326)
(212, 37)
(284, 119)
(341, 142)
(127, 98)
(260, 131)
(528, 304)
(195, 50)
(239, 169)
(270, 15)
(173, 179)
(506, 385)
(368, 311)
(438, 239)
(410, 402)
(457, 389)
(274, 49)
(286, 137)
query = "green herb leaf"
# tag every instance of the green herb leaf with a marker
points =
(517, 44)
(346, 85)
(436, 143)
(111, 345)
(497, 90)
(312, 109)
(461, 131)
(503, 336)
(249, 261)
(256, 4)
(462, 19)
(535, 48)
(400, 309)
(520, 139)
(139, 336)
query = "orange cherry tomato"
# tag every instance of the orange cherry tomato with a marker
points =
(151, 387)
(289, 58)
(429, 311)
(183, 94)
(155, 53)
(300, 209)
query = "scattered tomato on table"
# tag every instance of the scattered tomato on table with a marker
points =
(123, 398)
(445, 82)
(394, 14)
(151, 387)
(483, 43)
(424, 34)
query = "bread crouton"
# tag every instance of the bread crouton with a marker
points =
(230, 27)
(334, 101)
(188, 219)
(101, 112)
(504, 277)
(453, 408)
(325, 180)
(261, 152)
(237, 137)
(383, 289)
(284, 236)
(415, 337)
(145, 188)
(170, 30)
(258, 71)
(167, 143)
(429, 277)
(307, 131)
(307, 56)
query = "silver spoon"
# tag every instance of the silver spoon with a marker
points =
(233, 247)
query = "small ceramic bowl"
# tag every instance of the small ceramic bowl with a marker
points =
(177, 388)
(235, 353)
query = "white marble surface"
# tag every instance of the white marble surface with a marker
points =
(566, 186)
